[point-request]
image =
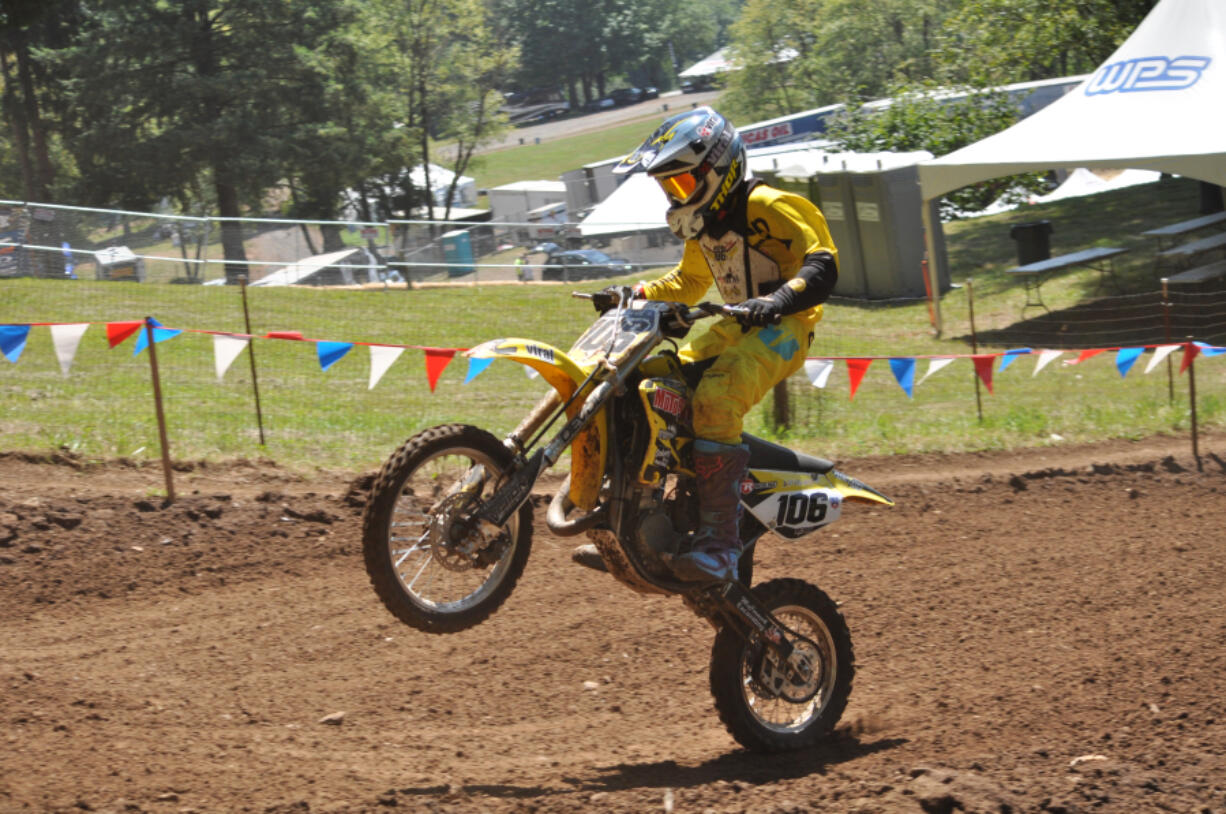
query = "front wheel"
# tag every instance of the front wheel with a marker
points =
(431, 566)
(769, 706)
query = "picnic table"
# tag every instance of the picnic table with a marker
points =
(1175, 230)
(1186, 251)
(1101, 259)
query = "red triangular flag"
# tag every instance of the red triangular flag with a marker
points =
(983, 366)
(1190, 350)
(856, 368)
(283, 335)
(436, 360)
(117, 332)
(1085, 354)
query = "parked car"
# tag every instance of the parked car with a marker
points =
(650, 92)
(583, 264)
(698, 84)
(625, 96)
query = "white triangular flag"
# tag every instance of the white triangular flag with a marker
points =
(532, 374)
(225, 350)
(1160, 353)
(381, 358)
(933, 366)
(818, 371)
(66, 338)
(1046, 358)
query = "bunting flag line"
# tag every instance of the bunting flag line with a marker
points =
(1010, 356)
(818, 371)
(160, 334)
(1125, 358)
(476, 367)
(330, 353)
(1189, 353)
(904, 373)
(935, 366)
(225, 350)
(1209, 350)
(1045, 359)
(856, 368)
(983, 367)
(117, 332)
(1160, 353)
(13, 341)
(437, 360)
(66, 339)
(1085, 354)
(381, 358)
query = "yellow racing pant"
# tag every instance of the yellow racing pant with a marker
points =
(747, 366)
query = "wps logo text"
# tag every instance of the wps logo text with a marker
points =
(1147, 73)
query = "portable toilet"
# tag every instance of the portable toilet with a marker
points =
(885, 188)
(458, 252)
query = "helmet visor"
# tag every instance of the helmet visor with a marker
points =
(679, 187)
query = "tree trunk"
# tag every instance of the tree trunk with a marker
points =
(332, 237)
(17, 124)
(231, 230)
(45, 173)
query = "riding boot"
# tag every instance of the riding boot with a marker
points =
(588, 555)
(715, 547)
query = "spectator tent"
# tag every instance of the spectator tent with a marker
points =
(1156, 104)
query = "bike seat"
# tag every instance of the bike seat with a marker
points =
(764, 454)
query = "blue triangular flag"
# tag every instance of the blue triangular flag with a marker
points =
(160, 334)
(1210, 350)
(331, 352)
(13, 341)
(1010, 356)
(476, 367)
(904, 373)
(1125, 358)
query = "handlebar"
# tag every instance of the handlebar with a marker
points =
(688, 314)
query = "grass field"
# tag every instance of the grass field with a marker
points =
(103, 409)
(550, 159)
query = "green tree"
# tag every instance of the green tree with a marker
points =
(800, 54)
(926, 117)
(1001, 41)
(444, 61)
(156, 93)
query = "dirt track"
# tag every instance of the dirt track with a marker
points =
(1041, 631)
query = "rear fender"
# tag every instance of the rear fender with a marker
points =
(588, 450)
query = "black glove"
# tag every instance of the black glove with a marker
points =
(758, 312)
(611, 297)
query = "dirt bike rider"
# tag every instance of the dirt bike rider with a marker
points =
(769, 252)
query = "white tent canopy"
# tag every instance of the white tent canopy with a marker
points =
(1157, 103)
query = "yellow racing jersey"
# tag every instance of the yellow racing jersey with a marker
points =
(781, 229)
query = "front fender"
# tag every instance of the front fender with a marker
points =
(588, 450)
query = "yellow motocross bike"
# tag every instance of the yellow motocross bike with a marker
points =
(448, 525)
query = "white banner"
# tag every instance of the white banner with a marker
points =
(381, 358)
(818, 371)
(934, 365)
(66, 338)
(1160, 353)
(225, 350)
(1045, 359)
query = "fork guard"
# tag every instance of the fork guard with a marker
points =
(589, 449)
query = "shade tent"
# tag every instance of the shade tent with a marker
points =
(1155, 104)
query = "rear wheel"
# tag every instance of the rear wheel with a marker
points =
(430, 567)
(772, 706)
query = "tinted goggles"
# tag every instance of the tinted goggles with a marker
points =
(679, 187)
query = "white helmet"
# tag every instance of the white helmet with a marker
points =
(699, 160)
